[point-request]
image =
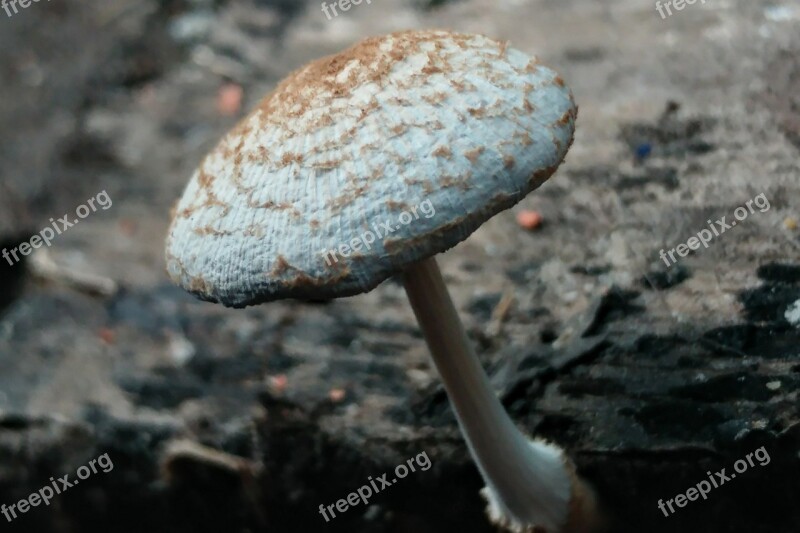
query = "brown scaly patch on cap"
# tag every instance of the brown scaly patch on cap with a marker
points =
(324, 76)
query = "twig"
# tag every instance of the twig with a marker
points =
(500, 313)
(44, 268)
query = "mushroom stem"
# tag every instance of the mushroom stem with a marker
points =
(528, 483)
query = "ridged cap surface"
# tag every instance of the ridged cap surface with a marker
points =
(461, 126)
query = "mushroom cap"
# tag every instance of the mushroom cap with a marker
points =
(410, 140)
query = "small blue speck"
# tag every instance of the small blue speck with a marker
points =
(644, 150)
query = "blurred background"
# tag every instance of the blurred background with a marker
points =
(247, 420)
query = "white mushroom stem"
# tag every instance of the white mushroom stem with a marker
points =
(528, 483)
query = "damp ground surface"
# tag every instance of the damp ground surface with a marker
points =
(649, 374)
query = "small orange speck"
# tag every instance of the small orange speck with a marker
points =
(529, 220)
(337, 395)
(128, 227)
(791, 223)
(107, 335)
(279, 382)
(229, 99)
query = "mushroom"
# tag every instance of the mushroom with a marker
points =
(282, 208)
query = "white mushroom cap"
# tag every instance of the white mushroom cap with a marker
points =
(352, 141)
